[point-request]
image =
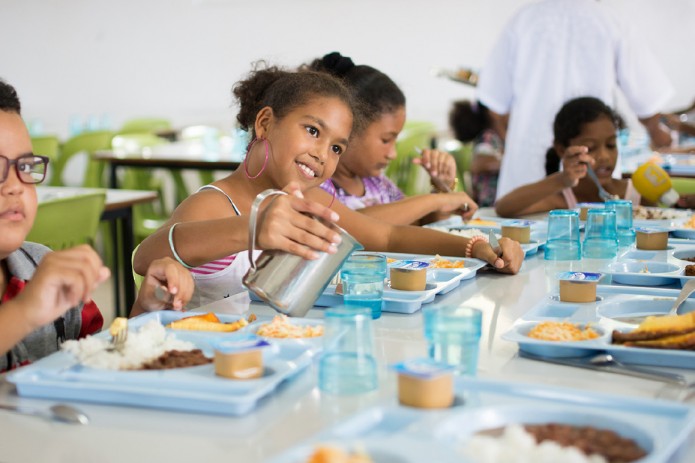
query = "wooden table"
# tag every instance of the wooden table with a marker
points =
(118, 210)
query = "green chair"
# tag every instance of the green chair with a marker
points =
(409, 177)
(146, 219)
(66, 222)
(684, 186)
(88, 142)
(47, 145)
(145, 125)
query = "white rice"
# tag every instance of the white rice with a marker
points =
(465, 232)
(141, 346)
(519, 446)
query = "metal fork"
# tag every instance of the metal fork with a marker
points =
(119, 334)
(603, 194)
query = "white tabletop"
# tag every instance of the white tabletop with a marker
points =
(298, 409)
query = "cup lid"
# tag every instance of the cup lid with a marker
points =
(517, 223)
(580, 277)
(423, 368)
(245, 344)
(650, 230)
(409, 265)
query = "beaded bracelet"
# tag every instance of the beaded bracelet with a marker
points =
(471, 242)
(173, 250)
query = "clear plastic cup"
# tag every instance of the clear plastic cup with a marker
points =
(623, 221)
(363, 275)
(347, 365)
(600, 235)
(453, 336)
(563, 241)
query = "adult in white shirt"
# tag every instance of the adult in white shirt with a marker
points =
(556, 50)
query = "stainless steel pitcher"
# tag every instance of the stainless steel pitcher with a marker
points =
(289, 283)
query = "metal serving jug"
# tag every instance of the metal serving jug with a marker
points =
(289, 283)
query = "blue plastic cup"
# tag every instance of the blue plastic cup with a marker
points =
(563, 242)
(600, 235)
(453, 336)
(623, 220)
(363, 275)
(347, 365)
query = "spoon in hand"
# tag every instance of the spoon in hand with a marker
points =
(58, 412)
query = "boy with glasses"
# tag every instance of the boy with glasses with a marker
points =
(45, 296)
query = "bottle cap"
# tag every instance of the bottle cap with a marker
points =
(670, 197)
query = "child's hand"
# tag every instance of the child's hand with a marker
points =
(458, 202)
(62, 280)
(438, 164)
(175, 283)
(574, 162)
(287, 224)
(510, 260)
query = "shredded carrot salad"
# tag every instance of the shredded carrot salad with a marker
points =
(280, 327)
(561, 331)
(440, 262)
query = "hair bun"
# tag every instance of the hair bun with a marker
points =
(337, 64)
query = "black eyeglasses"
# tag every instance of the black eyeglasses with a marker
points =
(31, 169)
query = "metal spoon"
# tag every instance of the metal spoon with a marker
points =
(686, 291)
(607, 360)
(59, 412)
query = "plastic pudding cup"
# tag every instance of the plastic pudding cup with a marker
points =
(517, 230)
(652, 239)
(584, 208)
(423, 383)
(408, 275)
(578, 286)
(241, 359)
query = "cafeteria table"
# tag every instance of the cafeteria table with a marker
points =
(298, 410)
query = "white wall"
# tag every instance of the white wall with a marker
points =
(180, 58)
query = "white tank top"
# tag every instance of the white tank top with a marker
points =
(221, 278)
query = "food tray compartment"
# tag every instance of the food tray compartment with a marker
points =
(194, 389)
(606, 314)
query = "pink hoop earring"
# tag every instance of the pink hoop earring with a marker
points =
(334, 192)
(265, 161)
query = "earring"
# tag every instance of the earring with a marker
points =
(265, 161)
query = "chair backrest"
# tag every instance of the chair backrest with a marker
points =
(145, 125)
(46, 145)
(88, 142)
(684, 186)
(409, 177)
(65, 222)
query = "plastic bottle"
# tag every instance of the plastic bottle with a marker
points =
(654, 184)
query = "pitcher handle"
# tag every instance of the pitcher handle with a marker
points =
(252, 220)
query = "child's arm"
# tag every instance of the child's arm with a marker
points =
(175, 283)
(543, 195)
(205, 231)
(414, 208)
(439, 164)
(62, 280)
(377, 235)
